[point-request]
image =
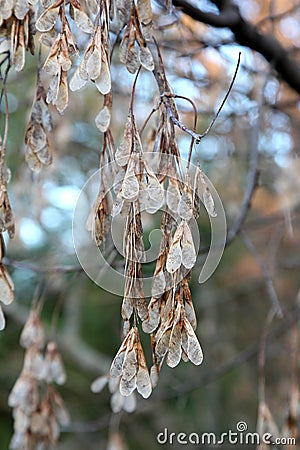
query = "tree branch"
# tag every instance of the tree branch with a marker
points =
(248, 35)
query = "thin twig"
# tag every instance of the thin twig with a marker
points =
(223, 102)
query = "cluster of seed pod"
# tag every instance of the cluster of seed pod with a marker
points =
(118, 401)
(169, 316)
(133, 47)
(38, 152)
(63, 46)
(38, 409)
(17, 23)
(54, 19)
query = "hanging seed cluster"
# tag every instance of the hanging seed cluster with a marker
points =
(169, 315)
(38, 409)
(17, 30)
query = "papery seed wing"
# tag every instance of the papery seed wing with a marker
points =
(190, 313)
(154, 374)
(188, 255)
(130, 365)
(21, 8)
(117, 364)
(2, 320)
(36, 137)
(61, 413)
(130, 403)
(61, 101)
(113, 384)
(150, 324)
(123, 152)
(117, 205)
(174, 258)
(21, 422)
(162, 344)
(34, 363)
(123, 8)
(116, 402)
(47, 19)
(145, 11)
(188, 250)
(132, 59)
(77, 82)
(19, 392)
(127, 307)
(8, 278)
(18, 57)
(51, 64)
(190, 344)
(143, 382)
(93, 65)
(98, 384)
(173, 195)
(184, 356)
(103, 82)
(6, 9)
(123, 49)
(103, 119)
(142, 308)
(155, 189)
(55, 368)
(146, 58)
(64, 61)
(45, 155)
(48, 38)
(53, 89)
(83, 21)
(32, 333)
(130, 185)
(118, 361)
(127, 386)
(93, 6)
(118, 180)
(32, 160)
(209, 202)
(185, 206)
(6, 289)
(174, 352)
(46, 116)
(158, 285)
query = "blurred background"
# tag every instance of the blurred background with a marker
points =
(259, 124)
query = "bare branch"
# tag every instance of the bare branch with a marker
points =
(248, 35)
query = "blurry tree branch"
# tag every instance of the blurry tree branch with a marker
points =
(247, 35)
